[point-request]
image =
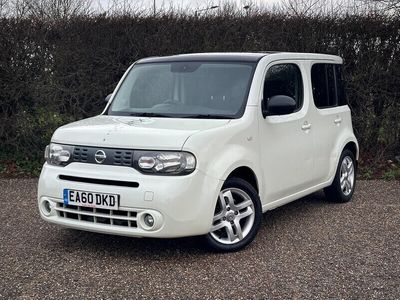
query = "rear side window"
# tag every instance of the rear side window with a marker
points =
(340, 84)
(328, 85)
(284, 79)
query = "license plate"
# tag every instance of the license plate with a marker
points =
(90, 199)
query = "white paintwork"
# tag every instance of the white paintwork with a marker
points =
(132, 132)
(288, 162)
(283, 136)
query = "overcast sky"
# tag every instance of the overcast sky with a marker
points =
(190, 4)
(306, 6)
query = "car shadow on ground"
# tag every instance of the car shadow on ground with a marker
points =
(156, 248)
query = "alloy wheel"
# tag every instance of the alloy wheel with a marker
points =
(233, 217)
(347, 175)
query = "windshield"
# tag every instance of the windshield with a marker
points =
(184, 89)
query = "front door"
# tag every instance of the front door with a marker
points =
(286, 141)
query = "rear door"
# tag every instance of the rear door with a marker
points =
(331, 117)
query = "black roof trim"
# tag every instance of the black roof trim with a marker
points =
(220, 57)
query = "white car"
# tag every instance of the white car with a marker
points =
(203, 144)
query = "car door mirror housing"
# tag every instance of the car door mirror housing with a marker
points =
(106, 99)
(278, 105)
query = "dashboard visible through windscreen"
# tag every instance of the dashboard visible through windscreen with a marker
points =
(184, 89)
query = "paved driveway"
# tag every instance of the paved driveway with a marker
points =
(307, 249)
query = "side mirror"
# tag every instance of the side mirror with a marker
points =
(108, 98)
(278, 105)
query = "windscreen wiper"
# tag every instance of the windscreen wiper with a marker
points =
(206, 116)
(150, 115)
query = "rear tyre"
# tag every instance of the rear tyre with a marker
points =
(237, 217)
(342, 188)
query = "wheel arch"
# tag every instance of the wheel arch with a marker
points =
(353, 147)
(350, 144)
(247, 174)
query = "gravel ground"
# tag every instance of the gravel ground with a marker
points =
(307, 249)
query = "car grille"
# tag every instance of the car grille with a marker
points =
(98, 215)
(80, 154)
(118, 157)
(123, 158)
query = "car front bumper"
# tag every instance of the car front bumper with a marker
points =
(180, 205)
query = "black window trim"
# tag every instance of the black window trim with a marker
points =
(335, 80)
(285, 62)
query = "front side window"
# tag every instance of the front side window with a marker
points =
(184, 89)
(284, 79)
(328, 85)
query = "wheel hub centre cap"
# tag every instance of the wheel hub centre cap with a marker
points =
(230, 216)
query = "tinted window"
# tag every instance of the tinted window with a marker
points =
(284, 79)
(327, 84)
(330, 75)
(341, 94)
(184, 89)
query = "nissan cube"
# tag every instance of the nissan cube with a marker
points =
(203, 145)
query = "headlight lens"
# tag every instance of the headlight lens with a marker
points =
(174, 163)
(59, 155)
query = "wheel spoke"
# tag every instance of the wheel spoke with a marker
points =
(348, 185)
(238, 227)
(219, 216)
(228, 194)
(350, 172)
(343, 168)
(343, 183)
(248, 212)
(242, 205)
(219, 226)
(349, 165)
(229, 231)
(222, 201)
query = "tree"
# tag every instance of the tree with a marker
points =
(303, 7)
(387, 6)
(49, 9)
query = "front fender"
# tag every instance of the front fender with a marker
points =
(219, 151)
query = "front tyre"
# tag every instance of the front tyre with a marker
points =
(342, 188)
(237, 216)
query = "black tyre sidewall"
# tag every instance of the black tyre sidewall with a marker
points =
(249, 189)
(335, 192)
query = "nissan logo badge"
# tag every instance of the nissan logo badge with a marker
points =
(100, 156)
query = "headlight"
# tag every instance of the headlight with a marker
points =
(173, 163)
(57, 154)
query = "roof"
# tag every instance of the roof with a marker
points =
(214, 56)
(238, 57)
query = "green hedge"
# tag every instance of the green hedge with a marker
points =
(56, 71)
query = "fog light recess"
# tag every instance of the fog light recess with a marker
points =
(148, 220)
(46, 207)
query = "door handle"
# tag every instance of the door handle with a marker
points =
(338, 120)
(306, 126)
